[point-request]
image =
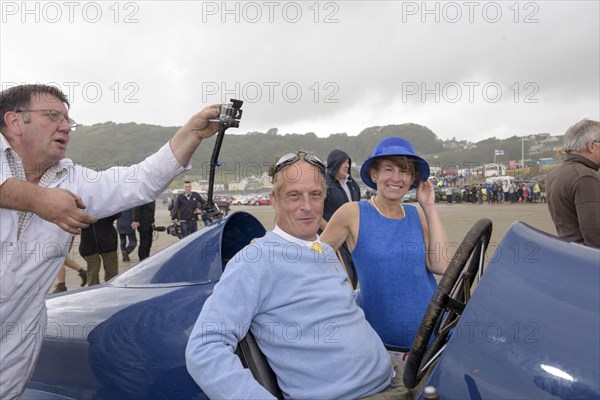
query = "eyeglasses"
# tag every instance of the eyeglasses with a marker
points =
(291, 158)
(55, 116)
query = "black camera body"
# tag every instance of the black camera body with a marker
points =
(175, 230)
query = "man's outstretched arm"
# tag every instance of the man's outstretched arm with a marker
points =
(58, 206)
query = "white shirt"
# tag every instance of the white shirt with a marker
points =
(294, 239)
(344, 185)
(28, 265)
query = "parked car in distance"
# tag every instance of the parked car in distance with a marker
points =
(248, 199)
(262, 200)
(237, 200)
(457, 194)
(410, 196)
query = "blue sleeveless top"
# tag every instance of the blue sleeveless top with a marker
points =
(395, 285)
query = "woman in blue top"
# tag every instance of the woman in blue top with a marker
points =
(396, 249)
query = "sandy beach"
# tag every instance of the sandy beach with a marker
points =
(457, 219)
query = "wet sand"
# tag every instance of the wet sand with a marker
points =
(457, 219)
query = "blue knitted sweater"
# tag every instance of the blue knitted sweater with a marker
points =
(300, 307)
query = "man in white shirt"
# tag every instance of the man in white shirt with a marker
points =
(42, 198)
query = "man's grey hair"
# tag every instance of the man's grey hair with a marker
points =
(579, 135)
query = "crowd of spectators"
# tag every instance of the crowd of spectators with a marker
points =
(495, 191)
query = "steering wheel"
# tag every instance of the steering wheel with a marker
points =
(448, 302)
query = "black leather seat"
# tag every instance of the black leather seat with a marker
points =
(253, 359)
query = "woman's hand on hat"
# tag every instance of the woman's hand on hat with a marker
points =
(425, 194)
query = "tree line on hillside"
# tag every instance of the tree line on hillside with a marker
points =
(103, 145)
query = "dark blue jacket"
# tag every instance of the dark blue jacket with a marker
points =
(183, 208)
(124, 222)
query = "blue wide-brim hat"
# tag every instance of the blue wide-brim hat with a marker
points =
(394, 146)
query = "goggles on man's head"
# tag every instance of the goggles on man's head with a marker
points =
(291, 158)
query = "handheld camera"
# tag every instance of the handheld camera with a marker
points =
(175, 230)
(231, 113)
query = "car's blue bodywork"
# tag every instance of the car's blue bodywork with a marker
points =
(126, 339)
(531, 329)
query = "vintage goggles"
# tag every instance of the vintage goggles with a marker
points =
(291, 158)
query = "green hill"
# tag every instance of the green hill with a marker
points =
(103, 145)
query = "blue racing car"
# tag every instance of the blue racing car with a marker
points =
(527, 326)
(523, 324)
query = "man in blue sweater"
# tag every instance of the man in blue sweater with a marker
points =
(292, 293)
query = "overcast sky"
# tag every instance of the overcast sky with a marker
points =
(469, 70)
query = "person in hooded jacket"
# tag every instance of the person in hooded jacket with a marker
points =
(341, 189)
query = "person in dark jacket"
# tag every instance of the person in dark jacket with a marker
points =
(186, 208)
(573, 188)
(341, 188)
(127, 235)
(98, 246)
(143, 221)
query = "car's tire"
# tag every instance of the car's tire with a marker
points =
(448, 302)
